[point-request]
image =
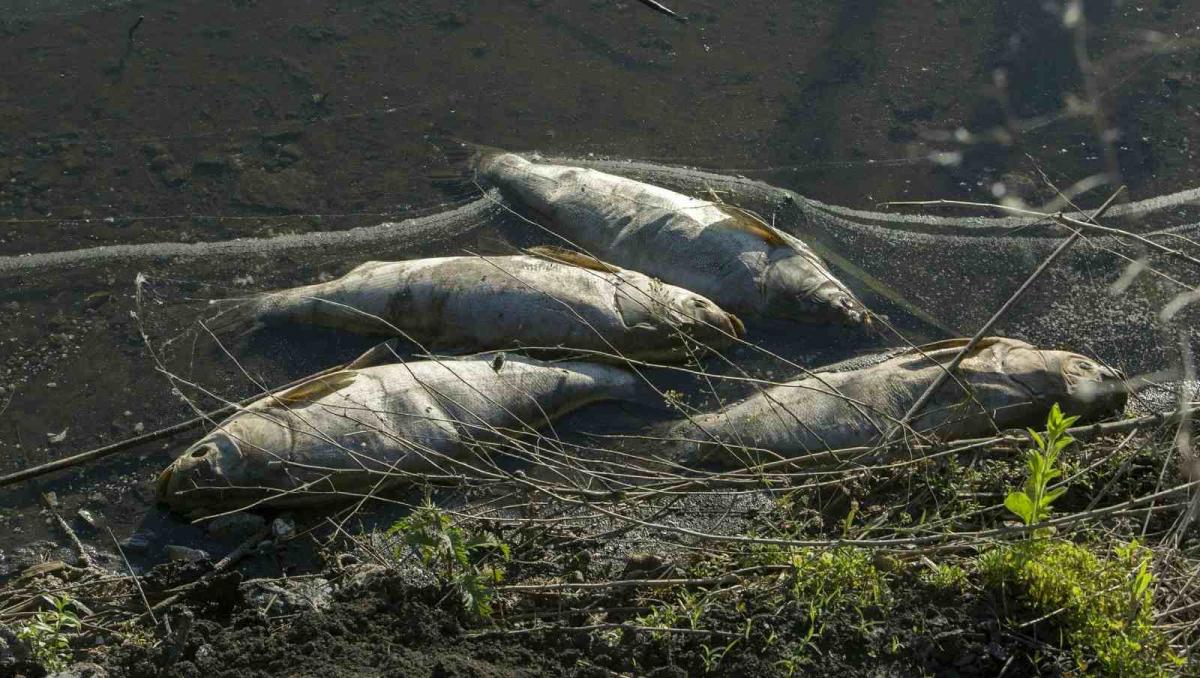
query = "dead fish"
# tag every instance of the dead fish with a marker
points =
(553, 298)
(1010, 383)
(724, 253)
(362, 430)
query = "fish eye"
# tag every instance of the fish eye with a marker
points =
(201, 452)
(699, 303)
(1087, 365)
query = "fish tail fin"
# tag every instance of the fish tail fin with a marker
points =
(463, 163)
(235, 317)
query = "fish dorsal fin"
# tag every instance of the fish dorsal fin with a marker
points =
(316, 388)
(952, 346)
(742, 220)
(379, 354)
(572, 258)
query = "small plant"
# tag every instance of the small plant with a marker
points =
(1103, 605)
(947, 577)
(1140, 595)
(687, 607)
(711, 657)
(452, 553)
(47, 633)
(1032, 503)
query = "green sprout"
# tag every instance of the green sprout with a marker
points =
(1032, 503)
(48, 633)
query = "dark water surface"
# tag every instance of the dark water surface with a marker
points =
(224, 119)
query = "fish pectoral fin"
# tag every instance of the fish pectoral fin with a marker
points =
(572, 258)
(317, 388)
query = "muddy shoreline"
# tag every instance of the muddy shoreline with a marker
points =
(254, 119)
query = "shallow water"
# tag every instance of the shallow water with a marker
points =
(256, 118)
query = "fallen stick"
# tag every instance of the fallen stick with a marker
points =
(732, 577)
(136, 582)
(663, 9)
(84, 556)
(600, 627)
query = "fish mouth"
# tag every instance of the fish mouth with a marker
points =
(851, 312)
(737, 328)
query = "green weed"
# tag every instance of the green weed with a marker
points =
(1032, 503)
(452, 554)
(1103, 606)
(48, 633)
(947, 577)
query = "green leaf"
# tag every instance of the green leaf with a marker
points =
(1037, 439)
(1051, 495)
(1020, 504)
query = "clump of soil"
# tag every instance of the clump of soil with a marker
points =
(386, 626)
(382, 627)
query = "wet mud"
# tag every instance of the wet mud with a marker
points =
(253, 119)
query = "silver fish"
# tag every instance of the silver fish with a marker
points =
(1009, 384)
(717, 250)
(362, 430)
(558, 299)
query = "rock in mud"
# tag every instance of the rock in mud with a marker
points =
(186, 554)
(93, 521)
(284, 528)
(138, 542)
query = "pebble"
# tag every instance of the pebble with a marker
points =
(205, 652)
(139, 427)
(283, 528)
(90, 519)
(185, 554)
(138, 541)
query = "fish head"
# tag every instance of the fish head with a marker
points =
(655, 304)
(1080, 385)
(230, 467)
(798, 287)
